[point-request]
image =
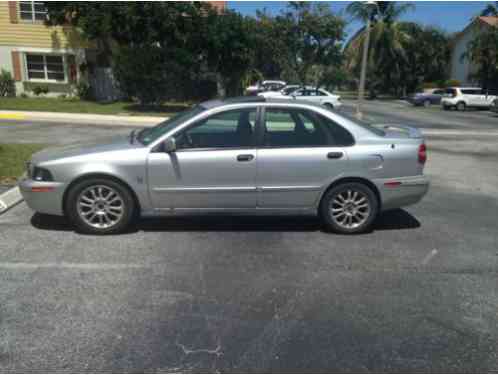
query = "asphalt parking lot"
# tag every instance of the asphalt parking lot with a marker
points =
(233, 294)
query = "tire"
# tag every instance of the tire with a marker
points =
(426, 103)
(329, 106)
(461, 106)
(100, 206)
(353, 221)
(446, 108)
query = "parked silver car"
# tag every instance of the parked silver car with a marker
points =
(246, 155)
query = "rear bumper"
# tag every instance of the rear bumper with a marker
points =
(401, 191)
(43, 197)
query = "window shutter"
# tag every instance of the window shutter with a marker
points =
(16, 65)
(13, 11)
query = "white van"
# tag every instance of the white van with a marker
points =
(463, 97)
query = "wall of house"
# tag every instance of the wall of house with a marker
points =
(17, 32)
(461, 69)
(19, 37)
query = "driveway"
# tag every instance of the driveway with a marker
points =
(255, 294)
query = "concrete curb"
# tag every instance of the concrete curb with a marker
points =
(85, 118)
(9, 199)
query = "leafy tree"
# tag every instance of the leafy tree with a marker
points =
(427, 54)
(490, 10)
(229, 49)
(387, 54)
(303, 36)
(483, 52)
(171, 45)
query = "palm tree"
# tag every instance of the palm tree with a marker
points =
(490, 10)
(386, 53)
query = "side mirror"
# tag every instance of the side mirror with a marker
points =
(170, 145)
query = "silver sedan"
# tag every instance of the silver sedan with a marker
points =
(242, 155)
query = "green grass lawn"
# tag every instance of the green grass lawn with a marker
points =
(82, 106)
(13, 158)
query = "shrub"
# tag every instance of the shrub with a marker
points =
(453, 82)
(39, 90)
(24, 95)
(84, 91)
(62, 96)
(146, 73)
(7, 84)
(430, 85)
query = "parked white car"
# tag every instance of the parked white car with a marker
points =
(464, 97)
(280, 94)
(319, 96)
(267, 85)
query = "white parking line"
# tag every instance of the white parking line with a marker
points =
(429, 256)
(64, 265)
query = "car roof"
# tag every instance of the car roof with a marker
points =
(254, 99)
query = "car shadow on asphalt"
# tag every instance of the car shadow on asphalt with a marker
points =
(390, 220)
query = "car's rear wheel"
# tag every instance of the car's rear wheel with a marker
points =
(349, 208)
(329, 106)
(461, 106)
(100, 206)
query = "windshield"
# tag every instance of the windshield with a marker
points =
(149, 135)
(364, 124)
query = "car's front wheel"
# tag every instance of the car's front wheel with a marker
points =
(329, 106)
(461, 106)
(100, 206)
(427, 103)
(349, 208)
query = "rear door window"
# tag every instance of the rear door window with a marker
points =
(302, 128)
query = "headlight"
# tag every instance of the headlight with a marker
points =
(42, 174)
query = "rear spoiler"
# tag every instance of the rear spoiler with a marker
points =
(412, 132)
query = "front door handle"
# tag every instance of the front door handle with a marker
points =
(335, 155)
(245, 157)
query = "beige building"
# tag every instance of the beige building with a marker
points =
(36, 54)
(462, 69)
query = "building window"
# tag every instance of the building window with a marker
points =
(45, 67)
(32, 11)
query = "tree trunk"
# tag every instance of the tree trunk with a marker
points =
(220, 86)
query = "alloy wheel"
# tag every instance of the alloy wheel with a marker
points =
(100, 206)
(350, 208)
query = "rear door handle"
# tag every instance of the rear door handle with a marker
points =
(335, 155)
(246, 157)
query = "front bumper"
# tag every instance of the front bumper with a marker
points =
(43, 197)
(402, 191)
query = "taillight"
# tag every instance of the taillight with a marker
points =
(422, 153)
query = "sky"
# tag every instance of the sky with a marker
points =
(451, 16)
